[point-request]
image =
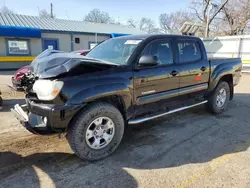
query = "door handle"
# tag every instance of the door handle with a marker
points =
(203, 68)
(174, 73)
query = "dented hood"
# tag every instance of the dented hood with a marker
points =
(52, 63)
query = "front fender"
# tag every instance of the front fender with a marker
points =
(100, 91)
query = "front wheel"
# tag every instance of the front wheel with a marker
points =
(96, 132)
(218, 101)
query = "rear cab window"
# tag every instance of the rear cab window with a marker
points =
(188, 51)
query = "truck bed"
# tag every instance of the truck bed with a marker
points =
(223, 59)
(234, 62)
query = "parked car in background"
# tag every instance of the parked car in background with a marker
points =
(18, 76)
(81, 52)
(124, 80)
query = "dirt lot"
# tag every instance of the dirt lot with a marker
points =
(188, 149)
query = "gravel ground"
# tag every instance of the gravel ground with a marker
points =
(189, 149)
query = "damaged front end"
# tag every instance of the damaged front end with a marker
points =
(44, 119)
(53, 64)
(34, 124)
(27, 82)
(46, 110)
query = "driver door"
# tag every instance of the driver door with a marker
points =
(156, 86)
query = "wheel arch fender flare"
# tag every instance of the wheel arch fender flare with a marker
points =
(102, 91)
(217, 75)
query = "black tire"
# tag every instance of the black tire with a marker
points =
(212, 106)
(1, 101)
(79, 125)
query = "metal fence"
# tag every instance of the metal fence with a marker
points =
(229, 47)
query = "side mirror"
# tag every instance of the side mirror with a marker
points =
(148, 60)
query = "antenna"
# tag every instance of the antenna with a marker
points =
(51, 10)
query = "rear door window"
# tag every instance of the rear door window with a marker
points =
(188, 51)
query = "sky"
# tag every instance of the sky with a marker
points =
(120, 10)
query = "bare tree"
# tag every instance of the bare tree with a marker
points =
(116, 22)
(145, 24)
(132, 23)
(237, 16)
(206, 11)
(148, 25)
(172, 22)
(44, 14)
(98, 16)
(6, 10)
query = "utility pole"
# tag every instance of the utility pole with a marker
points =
(51, 10)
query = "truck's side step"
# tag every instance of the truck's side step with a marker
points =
(147, 118)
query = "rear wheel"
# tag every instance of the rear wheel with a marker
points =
(218, 101)
(96, 132)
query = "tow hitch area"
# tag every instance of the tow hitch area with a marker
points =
(19, 112)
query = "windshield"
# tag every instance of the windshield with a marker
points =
(116, 50)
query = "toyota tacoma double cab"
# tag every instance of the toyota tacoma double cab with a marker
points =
(122, 81)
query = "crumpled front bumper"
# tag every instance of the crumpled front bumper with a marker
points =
(31, 122)
(45, 119)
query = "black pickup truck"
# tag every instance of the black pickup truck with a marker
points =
(125, 80)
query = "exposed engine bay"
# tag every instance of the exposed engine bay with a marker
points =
(27, 82)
